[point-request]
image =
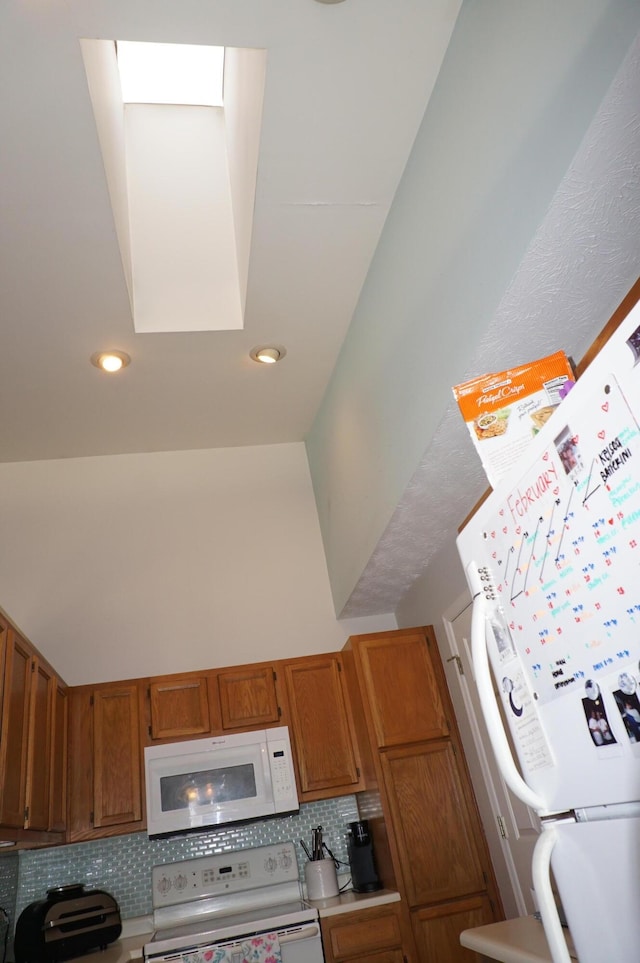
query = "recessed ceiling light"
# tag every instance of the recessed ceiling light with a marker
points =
(110, 361)
(268, 354)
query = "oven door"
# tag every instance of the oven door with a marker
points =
(298, 944)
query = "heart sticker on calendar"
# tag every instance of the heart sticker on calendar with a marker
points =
(601, 435)
(605, 406)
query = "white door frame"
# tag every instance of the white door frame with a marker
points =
(491, 792)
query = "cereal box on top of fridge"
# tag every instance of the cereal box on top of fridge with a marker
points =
(504, 410)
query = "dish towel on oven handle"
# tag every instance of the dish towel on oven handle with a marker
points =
(259, 949)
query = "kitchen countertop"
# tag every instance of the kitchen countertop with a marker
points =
(349, 901)
(125, 949)
(520, 940)
(137, 932)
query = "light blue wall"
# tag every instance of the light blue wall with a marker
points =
(518, 88)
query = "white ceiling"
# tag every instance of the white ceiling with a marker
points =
(346, 89)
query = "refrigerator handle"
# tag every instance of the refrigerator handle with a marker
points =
(541, 873)
(495, 727)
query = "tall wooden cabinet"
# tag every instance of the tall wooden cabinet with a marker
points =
(436, 840)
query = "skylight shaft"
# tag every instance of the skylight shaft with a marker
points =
(170, 73)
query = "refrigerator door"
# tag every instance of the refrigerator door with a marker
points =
(596, 868)
(559, 543)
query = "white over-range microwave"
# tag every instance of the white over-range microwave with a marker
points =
(224, 779)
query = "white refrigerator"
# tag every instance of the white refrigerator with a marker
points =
(552, 559)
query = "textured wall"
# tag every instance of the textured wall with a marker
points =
(519, 88)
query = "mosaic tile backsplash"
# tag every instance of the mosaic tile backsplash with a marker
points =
(122, 865)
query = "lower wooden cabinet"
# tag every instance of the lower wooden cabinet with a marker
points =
(434, 822)
(437, 929)
(374, 934)
(105, 771)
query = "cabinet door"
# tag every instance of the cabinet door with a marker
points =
(15, 723)
(58, 793)
(248, 697)
(402, 683)
(434, 824)
(437, 929)
(360, 934)
(179, 707)
(116, 756)
(327, 755)
(43, 684)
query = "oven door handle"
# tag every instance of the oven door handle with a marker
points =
(304, 933)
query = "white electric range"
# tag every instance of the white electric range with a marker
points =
(233, 907)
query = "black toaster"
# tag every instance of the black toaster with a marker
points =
(71, 921)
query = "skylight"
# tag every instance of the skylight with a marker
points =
(170, 73)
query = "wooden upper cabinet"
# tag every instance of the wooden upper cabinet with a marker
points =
(15, 730)
(437, 833)
(179, 707)
(39, 749)
(437, 929)
(28, 741)
(117, 784)
(248, 697)
(58, 770)
(323, 732)
(399, 673)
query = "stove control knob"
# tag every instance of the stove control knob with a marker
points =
(285, 860)
(180, 882)
(164, 885)
(270, 864)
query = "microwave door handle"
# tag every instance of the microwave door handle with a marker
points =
(490, 711)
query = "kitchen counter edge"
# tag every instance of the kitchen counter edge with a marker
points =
(129, 948)
(520, 940)
(350, 902)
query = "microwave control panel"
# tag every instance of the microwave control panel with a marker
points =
(281, 770)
